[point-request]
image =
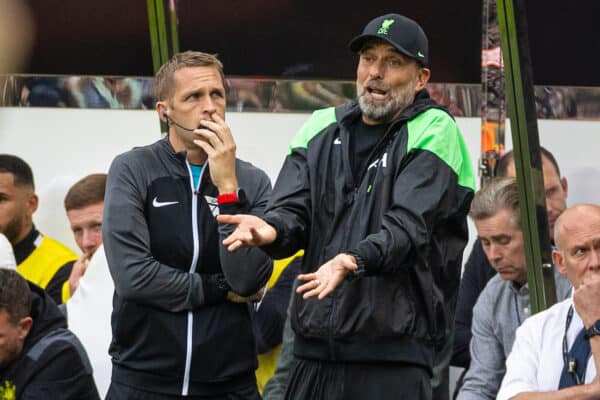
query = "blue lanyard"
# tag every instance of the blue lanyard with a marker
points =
(569, 361)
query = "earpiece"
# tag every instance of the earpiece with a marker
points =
(170, 121)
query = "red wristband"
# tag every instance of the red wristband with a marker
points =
(225, 198)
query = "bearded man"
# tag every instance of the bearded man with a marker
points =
(377, 193)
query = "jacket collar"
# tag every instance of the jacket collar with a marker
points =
(165, 144)
(26, 246)
(180, 158)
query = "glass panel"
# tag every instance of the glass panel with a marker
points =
(269, 95)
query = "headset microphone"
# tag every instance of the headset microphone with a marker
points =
(173, 121)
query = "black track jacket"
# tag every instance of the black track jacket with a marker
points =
(173, 330)
(404, 220)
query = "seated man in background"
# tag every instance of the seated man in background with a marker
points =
(84, 204)
(504, 303)
(556, 354)
(40, 259)
(478, 271)
(92, 292)
(39, 357)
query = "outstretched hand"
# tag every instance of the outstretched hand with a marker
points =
(329, 275)
(251, 231)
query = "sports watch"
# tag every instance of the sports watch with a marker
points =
(593, 330)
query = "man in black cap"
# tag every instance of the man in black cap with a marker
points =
(377, 191)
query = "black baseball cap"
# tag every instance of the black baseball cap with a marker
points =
(401, 32)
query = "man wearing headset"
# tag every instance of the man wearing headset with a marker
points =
(175, 331)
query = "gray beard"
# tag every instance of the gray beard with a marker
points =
(387, 111)
(380, 112)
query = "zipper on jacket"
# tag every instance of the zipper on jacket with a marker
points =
(384, 141)
(331, 328)
(190, 314)
(380, 146)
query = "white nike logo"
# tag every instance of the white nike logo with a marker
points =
(157, 203)
(337, 141)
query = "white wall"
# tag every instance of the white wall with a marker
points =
(63, 145)
(575, 146)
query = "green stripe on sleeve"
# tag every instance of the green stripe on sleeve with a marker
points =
(435, 131)
(318, 121)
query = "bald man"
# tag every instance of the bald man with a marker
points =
(557, 352)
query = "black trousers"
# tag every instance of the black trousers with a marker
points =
(118, 391)
(323, 380)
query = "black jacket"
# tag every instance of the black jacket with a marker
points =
(53, 364)
(404, 220)
(173, 330)
(478, 271)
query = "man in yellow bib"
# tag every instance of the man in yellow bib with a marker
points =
(40, 259)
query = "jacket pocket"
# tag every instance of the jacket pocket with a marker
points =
(375, 306)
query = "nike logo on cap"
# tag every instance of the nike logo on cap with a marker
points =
(157, 203)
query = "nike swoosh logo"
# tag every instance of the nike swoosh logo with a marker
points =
(157, 203)
(337, 141)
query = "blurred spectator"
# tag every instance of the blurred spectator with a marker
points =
(16, 35)
(444, 96)
(554, 103)
(43, 92)
(107, 92)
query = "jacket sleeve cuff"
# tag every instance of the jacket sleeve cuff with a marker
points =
(272, 248)
(367, 259)
(238, 207)
(215, 288)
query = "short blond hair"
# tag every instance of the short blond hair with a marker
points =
(163, 82)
